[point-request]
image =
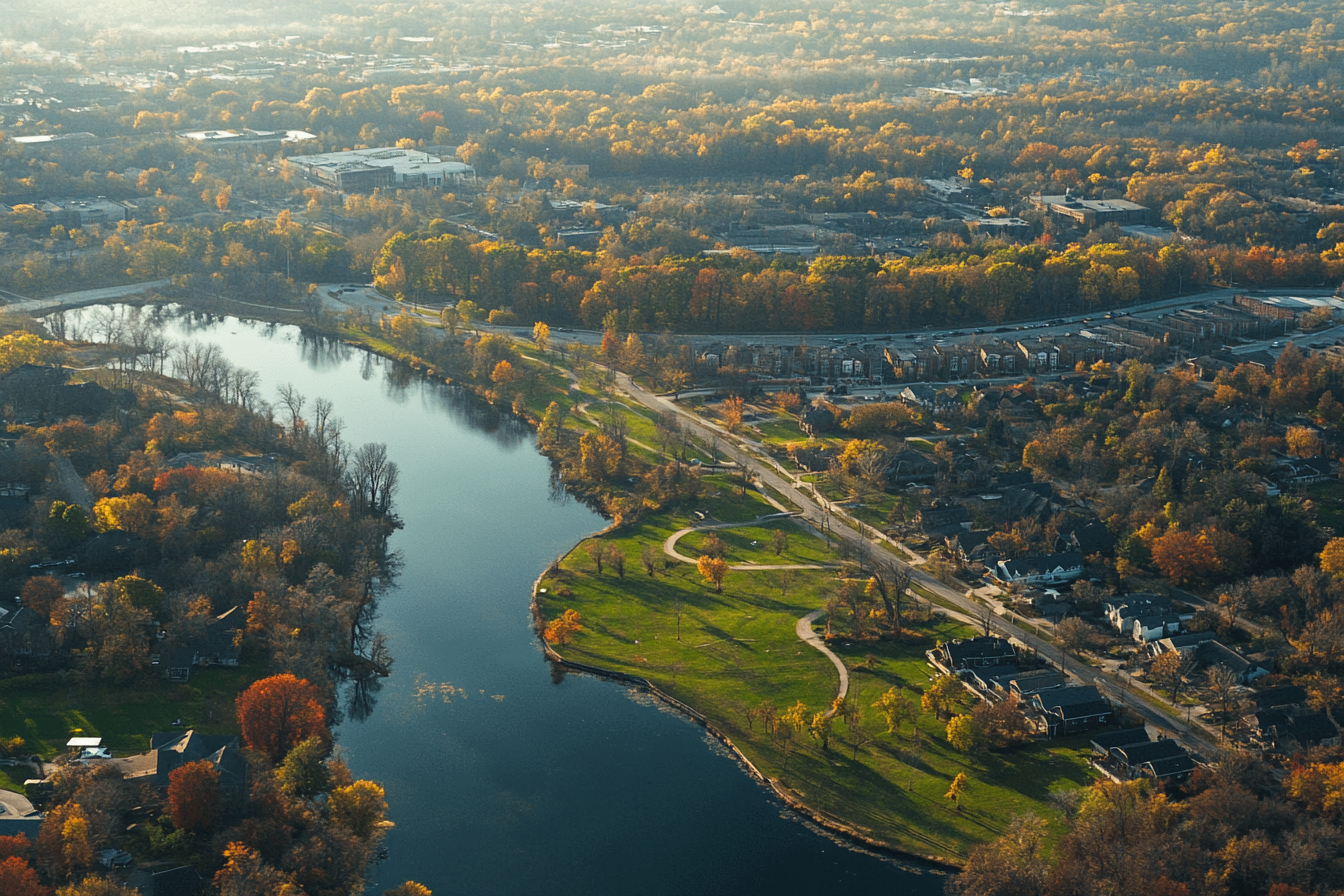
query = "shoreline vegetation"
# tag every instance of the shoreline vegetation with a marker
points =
(739, 668)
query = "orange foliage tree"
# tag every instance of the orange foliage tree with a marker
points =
(1184, 557)
(193, 796)
(564, 627)
(276, 713)
(18, 879)
(713, 569)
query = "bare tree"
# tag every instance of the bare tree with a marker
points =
(372, 479)
(1073, 634)
(1222, 688)
(890, 580)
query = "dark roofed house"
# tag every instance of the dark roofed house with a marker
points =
(994, 678)
(1072, 709)
(944, 520)
(29, 389)
(1105, 741)
(909, 465)
(1159, 759)
(181, 881)
(1312, 730)
(971, 653)
(1213, 653)
(1279, 697)
(174, 749)
(1032, 682)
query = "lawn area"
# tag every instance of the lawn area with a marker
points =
(800, 547)
(13, 776)
(738, 650)
(125, 716)
(1329, 498)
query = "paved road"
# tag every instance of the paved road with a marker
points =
(12, 803)
(812, 512)
(804, 630)
(670, 545)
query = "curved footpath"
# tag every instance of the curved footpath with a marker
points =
(804, 631)
(670, 545)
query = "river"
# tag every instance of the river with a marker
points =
(511, 782)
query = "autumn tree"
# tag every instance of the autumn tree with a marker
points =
(1170, 670)
(541, 335)
(564, 627)
(17, 878)
(821, 726)
(193, 796)
(942, 694)
(779, 541)
(1003, 722)
(965, 734)
(1332, 557)
(1073, 634)
(246, 873)
(304, 772)
(1183, 556)
(41, 594)
(957, 789)
(616, 559)
(278, 712)
(731, 410)
(410, 888)
(713, 569)
(359, 808)
(896, 708)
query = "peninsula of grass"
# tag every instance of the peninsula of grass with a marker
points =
(738, 651)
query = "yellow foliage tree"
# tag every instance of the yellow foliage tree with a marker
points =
(132, 513)
(359, 808)
(713, 569)
(1332, 558)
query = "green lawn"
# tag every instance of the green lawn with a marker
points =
(738, 650)
(124, 716)
(800, 547)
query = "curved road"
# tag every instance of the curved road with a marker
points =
(670, 545)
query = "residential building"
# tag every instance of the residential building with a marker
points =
(971, 653)
(1072, 709)
(1048, 569)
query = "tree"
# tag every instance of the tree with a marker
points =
(791, 724)
(410, 888)
(965, 734)
(713, 569)
(1004, 723)
(941, 695)
(1010, 865)
(277, 713)
(541, 335)
(1073, 634)
(193, 796)
(780, 541)
(1332, 557)
(563, 627)
(41, 594)
(95, 886)
(1170, 670)
(957, 789)
(597, 552)
(616, 558)
(76, 850)
(246, 873)
(133, 513)
(17, 878)
(732, 410)
(648, 557)
(359, 808)
(304, 772)
(1184, 557)
(1222, 688)
(820, 728)
(895, 708)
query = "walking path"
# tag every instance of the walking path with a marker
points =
(670, 545)
(83, 297)
(805, 633)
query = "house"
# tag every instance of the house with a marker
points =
(215, 645)
(1032, 682)
(920, 395)
(1153, 628)
(26, 638)
(1279, 697)
(817, 419)
(1213, 653)
(944, 520)
(1129, 760)
(1182, 644)
(1048, 569)
(1105, 741)
(1311, 730)
(1072, 709)
(993, 678)
(1123, 610)
(29, 390)
(181, 881)
(971, 653)
(170, 750)
(909, 465)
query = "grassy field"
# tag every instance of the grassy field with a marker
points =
(738, 650)
(755, 544)
(124, 716)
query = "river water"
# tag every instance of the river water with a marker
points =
(511, 782)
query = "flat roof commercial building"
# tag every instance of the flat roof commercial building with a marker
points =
(1092, 212)
(362, 170)
(260, 141)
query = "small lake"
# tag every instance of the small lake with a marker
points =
(520, 783)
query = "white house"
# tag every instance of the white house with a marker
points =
(1049, 569)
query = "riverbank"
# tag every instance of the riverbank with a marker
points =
(739, 651)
